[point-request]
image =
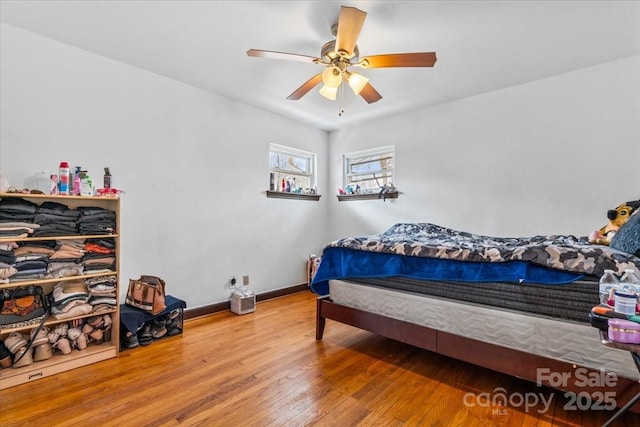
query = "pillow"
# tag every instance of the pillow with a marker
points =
(627, 239)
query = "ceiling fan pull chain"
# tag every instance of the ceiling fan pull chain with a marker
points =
(341, 95)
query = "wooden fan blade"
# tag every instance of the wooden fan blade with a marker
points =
(370, 94)
(281, 55)
(349, 26)
(306, 87)
(418, 59)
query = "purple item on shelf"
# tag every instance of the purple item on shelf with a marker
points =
(624, 331)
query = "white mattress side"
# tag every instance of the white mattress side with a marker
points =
(563, 340)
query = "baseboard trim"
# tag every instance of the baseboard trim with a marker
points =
(205, 310)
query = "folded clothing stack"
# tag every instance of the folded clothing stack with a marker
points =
(55, 219)
(102, 292)
(17, 209)
(99, 255)
(96, 220)
(31, 259)
(70, 299)
(16, 229)
(66, 260)
(16, 221)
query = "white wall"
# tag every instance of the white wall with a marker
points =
(548, 157)
(194, 166)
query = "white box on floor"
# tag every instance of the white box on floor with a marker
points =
(243, 301)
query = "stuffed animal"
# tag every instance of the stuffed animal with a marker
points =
(617, 217)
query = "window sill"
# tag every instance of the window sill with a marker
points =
(369, 196)
(298, 196)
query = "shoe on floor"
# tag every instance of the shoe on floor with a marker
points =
(81, 341)
(78, 338)
(130, 340)
(6, 358)
(95, 334)
(15, 341)
(157, 329)
(145, 336)
(23, 357)
(43, 352)
(63, 345)
(58, 332)
(41, 338)
(173, 328)
(96, 321)
(106, 322)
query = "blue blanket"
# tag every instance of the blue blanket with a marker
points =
(345, 263)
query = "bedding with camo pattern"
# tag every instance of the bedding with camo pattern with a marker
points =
(560, 252)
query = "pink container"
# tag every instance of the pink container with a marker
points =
(624, 331)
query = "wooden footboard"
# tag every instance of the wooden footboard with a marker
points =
(501, 359)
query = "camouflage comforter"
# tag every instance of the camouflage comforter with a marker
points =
(560, 252)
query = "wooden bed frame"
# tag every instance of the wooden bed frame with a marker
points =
(498, 358)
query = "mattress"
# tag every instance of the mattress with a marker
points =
(565, 340)
(572, 301)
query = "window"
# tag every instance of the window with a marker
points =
(367, 171)
(291, 170)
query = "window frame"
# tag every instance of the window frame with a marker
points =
(349, 158)
(312, 175)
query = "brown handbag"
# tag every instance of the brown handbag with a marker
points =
(147, 293)
(22, 306)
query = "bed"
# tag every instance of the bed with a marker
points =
(519, 306)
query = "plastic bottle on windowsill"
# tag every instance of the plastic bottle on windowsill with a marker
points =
(608, 283)
(630, 285)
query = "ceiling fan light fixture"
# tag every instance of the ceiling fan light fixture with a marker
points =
(329, 92)
(332, 76)
(357, 82)
(338, 55)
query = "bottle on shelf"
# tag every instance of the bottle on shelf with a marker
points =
(63, 179)
(86, 184)
(76, 181)
(608, 285)
(42, 179)
(629, 290)
(106, 180)
(54, 184)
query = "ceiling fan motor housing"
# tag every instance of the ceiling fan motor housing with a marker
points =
(329, 54)
(341, 53)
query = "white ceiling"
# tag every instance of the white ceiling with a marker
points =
(481, 46)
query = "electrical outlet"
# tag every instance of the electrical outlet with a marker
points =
(245, 280)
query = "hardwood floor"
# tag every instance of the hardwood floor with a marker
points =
(266, 369)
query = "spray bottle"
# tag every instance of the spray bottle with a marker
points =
(76, 181)
(63, 179)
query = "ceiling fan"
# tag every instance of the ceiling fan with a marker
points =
(339, 55)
